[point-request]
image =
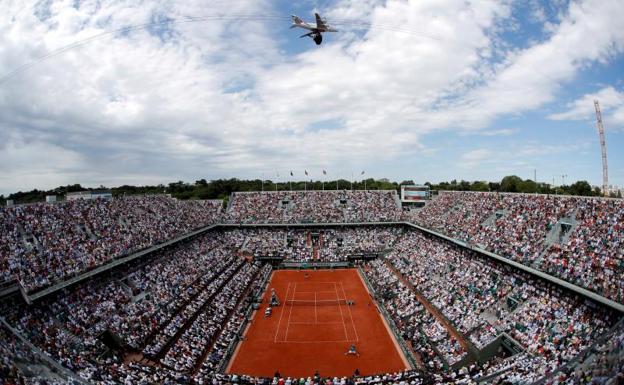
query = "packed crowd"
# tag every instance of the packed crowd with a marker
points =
(193, 345)
(472, 294)
(427, 337)
(462, 288)
(231, 333)
(312, 244)
(15, 355)
(604, 364)
(314, 206)
(183, 317)
(588, 253)
(43, 243)
(183, 310)
(408, 377)
(163, 308)
(593, 255)
(338, 244)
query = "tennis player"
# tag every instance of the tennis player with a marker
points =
(352, 350)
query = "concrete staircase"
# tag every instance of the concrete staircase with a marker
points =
(496, 215)
(559, 234)
(397, 200)
(562, 230)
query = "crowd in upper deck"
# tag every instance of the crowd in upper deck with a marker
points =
(43, 243)
(314, 206)
(576, 238)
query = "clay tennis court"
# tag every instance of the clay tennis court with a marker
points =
(314, 327)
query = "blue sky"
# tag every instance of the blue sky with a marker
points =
(428, 90)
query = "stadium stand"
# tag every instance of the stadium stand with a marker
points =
(174, 316)
(551, 326)
(313, 207)
(43, 243)
(576, 238)
(20, 364)
(185, 293)
(601, 364)
(313, 244)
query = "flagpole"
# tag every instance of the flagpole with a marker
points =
(351, 180)
(262, 183)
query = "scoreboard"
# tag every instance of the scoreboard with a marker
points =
(415, 193)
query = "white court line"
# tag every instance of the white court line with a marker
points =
(282, 313)
(310, 292)
(290, 312)
(341, 316)
(350, 314)
(315, 316)
(311, 342)
(315, 323)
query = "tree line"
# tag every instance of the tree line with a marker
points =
(222, 188)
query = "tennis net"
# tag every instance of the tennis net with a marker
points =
(324, 302)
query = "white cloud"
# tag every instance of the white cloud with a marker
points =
(509, 154)
(592, 30)
(36, 164)
(497, 132)
(225, 97)
(611, 106)
(474, 158)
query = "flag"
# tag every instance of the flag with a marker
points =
(362, 173)
(324, 172)
(306, 172)
(291, 174)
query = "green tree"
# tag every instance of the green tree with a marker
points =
(463, 185)
(527, 186)
(510, 183)
(480, 186)
(581, 188)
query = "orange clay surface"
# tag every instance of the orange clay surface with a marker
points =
(297, 340)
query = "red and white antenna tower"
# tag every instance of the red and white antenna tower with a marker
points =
(603, 149)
